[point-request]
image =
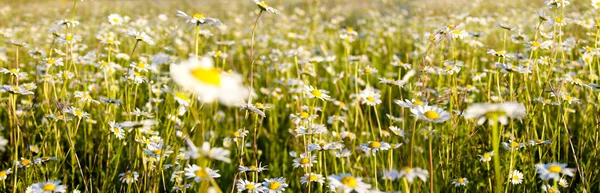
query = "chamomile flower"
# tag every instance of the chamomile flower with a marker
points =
(498, 112)
(24, 163)
(253, 168)
(198, 174)
(304, 161)
(347, 183)
(460, 182)
(274, 185)
(129, 177)
(553, 171)
(199, 19)
(312, 92)
(410, 173)
(550, 189)
(208, 83)
(312, 177)
(430, 113)
(116, 129)
(397, 131)
(4, 173)
(410, 103)
(370, 97)
(248, 186)
(49, 186)
(596, 4)
(115, 19)
(140, 36)
(486, 157)
(563, 183)
(264, 7)
(374, 146)
(515, 177)
(512, 145)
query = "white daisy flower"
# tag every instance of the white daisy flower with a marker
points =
(410, 174)
(48, 187)
(553, 171)
(347, 183)
(312, 92)
(274, 185)
(312, 177)
(264, 7)
(129, 177)
(496, 111)
(115, 19)
(460, 182)
(208, 83)
(198, 174)
(369, 96)
(430, 113)
(199, 19)
(515, 177)
(374, 146)
(248, 186)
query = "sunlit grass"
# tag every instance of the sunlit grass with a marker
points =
(295, 96)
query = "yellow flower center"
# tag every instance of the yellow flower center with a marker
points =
(501, 52)
(514, 144)
(141, 65)
(304, 160)
(495, 114)
(349, 181)
(128, 175)
(156, 151)
(200, 173)
(486, 155)
(304, 115)
(25, 162)
(208, 76)
(182, 96)
(555, 169)
(515, 178)
(460, 180)
(252, 167)
(116, 20)
(431, 115)
(48, 187)
(274, 185)
(558, 19)
(14, 71)
(117, 131)
(236, 134)
(535, 44)
(374, 145)
(418, 102)
(250, 186)
(78, 113)
(408, 169)
(316, 93)
(370, 99)
(2, 174)
(368, 70)
(198, 16)
(313, 178)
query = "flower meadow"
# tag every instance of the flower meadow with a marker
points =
(300, 96)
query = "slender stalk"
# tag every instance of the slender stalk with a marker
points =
(252, 56)
(496, 146)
